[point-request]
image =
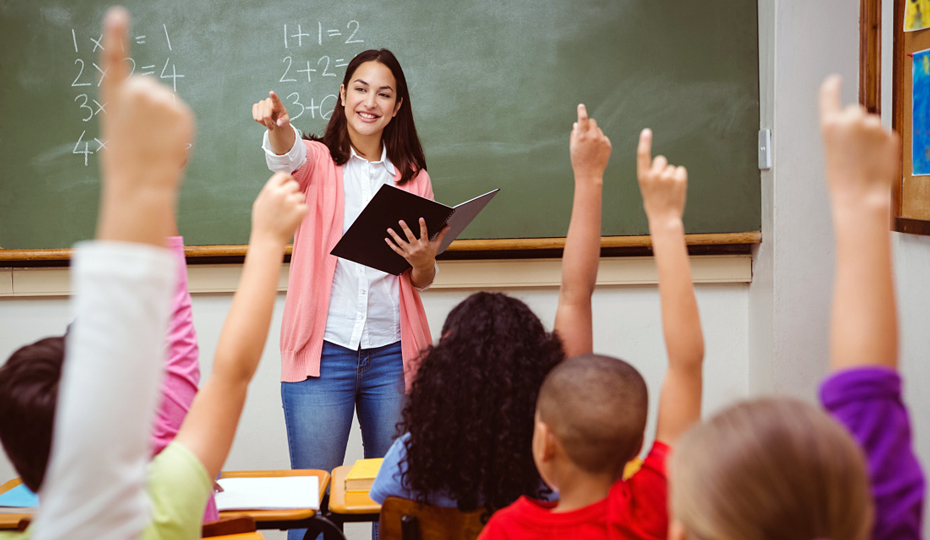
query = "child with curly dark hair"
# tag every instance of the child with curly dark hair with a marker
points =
(469, 420)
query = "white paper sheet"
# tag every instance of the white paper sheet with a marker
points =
(272, 493)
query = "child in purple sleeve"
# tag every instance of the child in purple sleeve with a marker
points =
(780, 468)
(864, 392)
(867, 400)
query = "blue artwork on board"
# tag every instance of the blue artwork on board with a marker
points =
(920, 138)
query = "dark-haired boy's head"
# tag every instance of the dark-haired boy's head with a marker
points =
(595, 407)
(28, 398)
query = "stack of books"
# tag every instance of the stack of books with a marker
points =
(359, 480)
(18, 500)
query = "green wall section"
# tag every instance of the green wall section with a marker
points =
(494, 86)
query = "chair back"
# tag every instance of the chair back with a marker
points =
(402, 519)
(228, 525)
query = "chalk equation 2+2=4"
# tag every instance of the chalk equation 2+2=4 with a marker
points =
(87, 79)
(303, 41)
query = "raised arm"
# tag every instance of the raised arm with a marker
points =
(865, 392)
(590, 151)
(861, 161)
(664, 187)
(109, 385)
(210, 425)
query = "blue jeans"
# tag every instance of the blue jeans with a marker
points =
(318, 411)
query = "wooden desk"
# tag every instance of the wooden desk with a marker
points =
(11, 521)
(278, 516)
(301, 518)
(350, 507)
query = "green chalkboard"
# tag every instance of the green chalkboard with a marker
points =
(494, 84)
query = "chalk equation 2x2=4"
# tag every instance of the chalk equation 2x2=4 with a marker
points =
(90, 77)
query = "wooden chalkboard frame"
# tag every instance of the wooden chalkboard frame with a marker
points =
(870, 69)
(703, 244)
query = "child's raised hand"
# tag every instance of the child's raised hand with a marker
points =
(861, 156)
(271, 113)
(589, 148)
(147, 128)
(278, 209)
(663, 186)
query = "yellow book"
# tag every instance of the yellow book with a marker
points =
(362, 475)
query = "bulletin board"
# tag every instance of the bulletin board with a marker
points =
(911, 113)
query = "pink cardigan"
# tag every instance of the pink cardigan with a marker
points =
(312, 269)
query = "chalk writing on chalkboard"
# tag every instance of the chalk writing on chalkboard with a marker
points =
(314, 53)
(87, 78)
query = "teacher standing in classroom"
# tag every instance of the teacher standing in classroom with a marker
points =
(351, 334)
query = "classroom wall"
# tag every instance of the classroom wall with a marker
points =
(800, 43)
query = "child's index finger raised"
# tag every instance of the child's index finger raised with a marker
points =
(830, 102)
(582, 117)
(115, 48)
(644, 150)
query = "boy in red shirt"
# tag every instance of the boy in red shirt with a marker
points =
(591, 409)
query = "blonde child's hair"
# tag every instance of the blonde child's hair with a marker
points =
(770, 469)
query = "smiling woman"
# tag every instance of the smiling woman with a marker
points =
(351, 334)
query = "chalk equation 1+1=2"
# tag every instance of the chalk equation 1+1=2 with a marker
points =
(316, 53)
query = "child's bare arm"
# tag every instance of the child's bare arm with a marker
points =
(861, 161)
(210, 425)
(93, 487)
(590, 151)
(664, 188)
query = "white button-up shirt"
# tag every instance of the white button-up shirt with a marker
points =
(364, 310)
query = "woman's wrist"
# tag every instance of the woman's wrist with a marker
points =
(422, 276)
(426, 266)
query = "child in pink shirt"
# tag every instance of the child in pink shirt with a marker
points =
(182, 368)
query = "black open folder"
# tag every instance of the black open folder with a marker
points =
(364, 241)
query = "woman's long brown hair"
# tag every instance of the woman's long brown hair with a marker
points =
(399, 137)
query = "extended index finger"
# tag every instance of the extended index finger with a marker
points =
(275, 99)
(582, 117)
(830, 102)
(644, 150)
(115, 48)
